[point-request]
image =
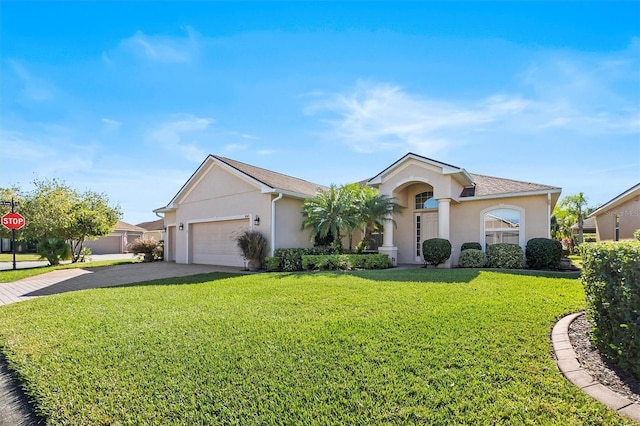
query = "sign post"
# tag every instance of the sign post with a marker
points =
(12, 221)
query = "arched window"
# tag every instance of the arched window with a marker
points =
(425, 200)
(502, 226)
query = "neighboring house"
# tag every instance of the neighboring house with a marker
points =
(619, 218)
(154, 230)
(588, 227)
(117, 241)
(225, 196)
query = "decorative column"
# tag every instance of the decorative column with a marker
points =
(387, 243)
(444, 216)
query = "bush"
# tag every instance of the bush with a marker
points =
(272, 264)
(54, 250)
(637, 234)
(345, 262)
(290, 259)
(472, 258)
(611, 280)
(472, 245)
(253, 245)
(505, 256)
(436, 251)
(543, 253)
(147, 247)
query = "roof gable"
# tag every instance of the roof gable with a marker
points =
(625, 196)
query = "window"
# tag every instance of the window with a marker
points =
(502, 226)
(425, 200)
(617, 235)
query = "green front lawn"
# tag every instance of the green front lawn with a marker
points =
(373, 347)
(20, 257)
(10, 276)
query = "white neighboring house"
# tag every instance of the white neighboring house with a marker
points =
(225, 196)
(117, 241)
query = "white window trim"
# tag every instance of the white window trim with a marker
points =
(521, 231)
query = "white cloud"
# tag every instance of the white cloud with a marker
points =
(110, 125)
(171, 136)
(383, 117)
(35, 89)
(158, 48)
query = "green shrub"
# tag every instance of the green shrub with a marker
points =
(505, 256)
(436, 251)
(472, 258)
(291, 258)
(637, 234)
(272, 264)
(345, 262)
(543, 253)
(471, 245)
(54, 250)
(611, 279)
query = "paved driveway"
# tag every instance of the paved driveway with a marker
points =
(15, 409)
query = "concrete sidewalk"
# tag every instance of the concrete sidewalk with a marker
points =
(15, 408)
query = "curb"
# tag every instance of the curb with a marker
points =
(567, 362)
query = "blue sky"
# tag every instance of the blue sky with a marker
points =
(128, 98)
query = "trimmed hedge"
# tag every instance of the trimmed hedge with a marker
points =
(436, 251)
(611, 280)
(543, 253)
(472, 258)
(273, 264)
(505, 256)
(471, 245)
(290, 259)
(345, 262)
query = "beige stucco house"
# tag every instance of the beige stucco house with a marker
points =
(225, 196)
(117, 241)
(618, 218)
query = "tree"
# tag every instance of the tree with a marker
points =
(329, 212)
(54, 209)
(574, 207)
(375, 209)
(347, 208)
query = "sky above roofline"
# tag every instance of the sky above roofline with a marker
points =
(128, 98)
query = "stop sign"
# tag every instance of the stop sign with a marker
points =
(13, 221)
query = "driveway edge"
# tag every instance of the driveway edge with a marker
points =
(568, 364)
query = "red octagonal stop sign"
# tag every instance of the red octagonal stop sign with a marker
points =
(13, 221)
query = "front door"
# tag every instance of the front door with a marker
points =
(426, 226)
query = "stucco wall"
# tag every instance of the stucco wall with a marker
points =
(289, 233)
(629, 221)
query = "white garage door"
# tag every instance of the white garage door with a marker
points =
(213, 242)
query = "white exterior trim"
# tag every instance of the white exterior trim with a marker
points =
(510, 195)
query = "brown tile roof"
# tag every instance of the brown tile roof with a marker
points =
(489, 185)
(273, 179)
(155, 225)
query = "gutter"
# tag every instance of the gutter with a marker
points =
(273, 222)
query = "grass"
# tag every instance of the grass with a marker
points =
(9, 276)
(372, 347)
(20, 257)
(576, 259)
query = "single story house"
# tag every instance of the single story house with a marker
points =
(154, 230)
(225, 196)
(618, 218)
(588, 227)
(117, 241)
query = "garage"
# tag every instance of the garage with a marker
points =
(213, 243)
(105, 245)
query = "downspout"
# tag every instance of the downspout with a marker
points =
(548, 215)
(273, 222)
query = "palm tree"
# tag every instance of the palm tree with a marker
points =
(574, 206)
(329, 212)
(375, 209)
